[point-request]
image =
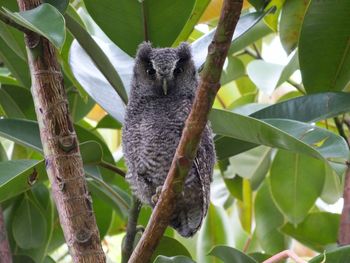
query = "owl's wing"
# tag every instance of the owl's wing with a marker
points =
(202, 179)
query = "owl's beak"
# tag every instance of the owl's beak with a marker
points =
(165, 86)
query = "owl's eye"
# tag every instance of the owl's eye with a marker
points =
(150, 71)
(178, 70)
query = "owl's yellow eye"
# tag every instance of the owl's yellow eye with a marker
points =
(150, 71)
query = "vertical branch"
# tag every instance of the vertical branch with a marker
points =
(144, 20)
(61, 149)
(131, 230)
(344, 227)
(194, 126)
(5, 252)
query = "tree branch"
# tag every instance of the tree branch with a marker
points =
(283, 255)
(5, 252)
(112, 168)
(131, 230)
(344, 227)
(7, 20)
(194, 126)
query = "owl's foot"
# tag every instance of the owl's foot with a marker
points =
(156, 196)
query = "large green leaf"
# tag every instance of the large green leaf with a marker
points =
(158, 21)
(339, 255)
(14, 62)
(17, 102)
(244, 25)
(325, 66)
(292, 17)
(268, 220)
(29, 225)
(177, 259)
(170, 247)
(280, 133)
(98, 56)
(230, 254)
(332, 189)
(213, 232)
(308, 231)
(20, 175)
(44, 20)
(296, 182)
(198, 10)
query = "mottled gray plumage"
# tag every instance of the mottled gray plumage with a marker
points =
(162, 92)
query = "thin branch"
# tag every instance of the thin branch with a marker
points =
(7, 20)
(284, 255)
(247, 244)
(5, 252)
(340, 129)
(221, 101)
(297, 86)
(258, 54)
(194, 126)
(131, 230)
(344, 227)
(112, 168)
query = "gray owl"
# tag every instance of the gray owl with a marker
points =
(161, 96)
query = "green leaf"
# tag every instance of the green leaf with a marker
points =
(15, 63)
(163, 20)
(230, 254)
(213, 232)
(198, 10)
(296, 182)
(44, 20)
(20, 175)
(245, 207)
(29, 225)
(61, 5)
(234, 70)
(325, 66)
(272, 19)
(77, 106)
(332, 188)
(245, 23)
(177, 259)
(17, 102)
(308, 231)
(170, 247)
(268, 76)
(280, 133)
(310, 108)
(100, 60)
(253, 164)
(292, 17)
(268, 220)
(339, 255)
(103, 213)
(109, 123)
(260, 257)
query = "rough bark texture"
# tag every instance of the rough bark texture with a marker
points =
(344, 228)
(61, 149)
(5, 252)
(194, 126)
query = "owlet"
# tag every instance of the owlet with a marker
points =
(162, 91)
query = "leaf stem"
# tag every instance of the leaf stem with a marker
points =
(112, 168)
(144, 20)
(283, 255)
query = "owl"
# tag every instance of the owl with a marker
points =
(162, 92)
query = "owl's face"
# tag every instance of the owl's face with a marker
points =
(164, 72)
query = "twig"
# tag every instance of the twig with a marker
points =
(344, 227)
(194, 126)
(131, 230)
(5, 252)
(7, 20)
(112, 168)
(258, 54)
(297, 86)
(340, 129)
(283, 255)
(247, 244)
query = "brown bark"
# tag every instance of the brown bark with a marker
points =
(344, 228)
(5, 252)
(194, 126)
(61, 149)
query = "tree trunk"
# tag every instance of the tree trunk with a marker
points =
(61, 149)
(5, 252)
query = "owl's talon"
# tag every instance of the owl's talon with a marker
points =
(156, 196)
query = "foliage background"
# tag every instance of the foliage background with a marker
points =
(280, 120)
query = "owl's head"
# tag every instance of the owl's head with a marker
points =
(164, 71)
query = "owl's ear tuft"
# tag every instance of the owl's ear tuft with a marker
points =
(184, 51)
(144, 50)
